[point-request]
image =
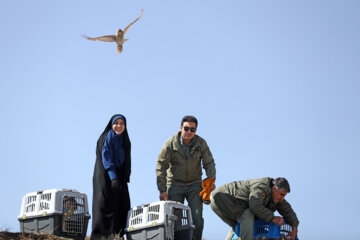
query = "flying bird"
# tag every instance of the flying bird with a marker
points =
(118, 37)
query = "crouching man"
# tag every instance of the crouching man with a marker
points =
(242, 201)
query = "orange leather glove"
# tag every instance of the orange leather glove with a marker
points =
(208, 186)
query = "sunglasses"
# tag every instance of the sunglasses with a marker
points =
(191, 129)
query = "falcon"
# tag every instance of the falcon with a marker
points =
(118, 37)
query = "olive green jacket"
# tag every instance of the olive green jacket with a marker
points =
(173, 168)
(256, 195)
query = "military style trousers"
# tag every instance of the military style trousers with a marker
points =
(191, 194)
(246, 219)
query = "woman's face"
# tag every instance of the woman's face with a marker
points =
(118, 126)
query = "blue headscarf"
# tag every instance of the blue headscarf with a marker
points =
(117, 117)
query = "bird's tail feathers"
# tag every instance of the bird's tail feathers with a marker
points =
(119, 48)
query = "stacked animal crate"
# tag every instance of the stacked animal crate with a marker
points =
(61, 212)
(161, 220)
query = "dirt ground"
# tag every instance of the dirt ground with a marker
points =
(30, 236)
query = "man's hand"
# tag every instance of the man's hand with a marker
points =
(292, 234)
(164, 196)
(278, 221)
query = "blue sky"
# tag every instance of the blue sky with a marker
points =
(274, 85)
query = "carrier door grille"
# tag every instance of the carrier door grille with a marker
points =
(182, 217)
(73, 214)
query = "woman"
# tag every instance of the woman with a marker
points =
(111, 200)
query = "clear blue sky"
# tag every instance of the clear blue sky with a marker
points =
(274, 85)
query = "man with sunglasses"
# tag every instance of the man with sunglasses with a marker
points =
(242, 201)
(179, 170)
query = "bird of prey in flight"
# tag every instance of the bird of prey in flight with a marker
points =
(118, 37)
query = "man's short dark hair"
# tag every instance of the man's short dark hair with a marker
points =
(189, 118)
(281, 183)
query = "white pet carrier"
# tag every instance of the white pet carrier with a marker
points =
(61, 212)
(161, 220)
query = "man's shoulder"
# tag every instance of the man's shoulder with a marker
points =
(265, 180)
(199, 140)
(174, 139)
(261, 182)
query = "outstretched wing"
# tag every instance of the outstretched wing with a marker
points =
(127, 28)
(107, 38)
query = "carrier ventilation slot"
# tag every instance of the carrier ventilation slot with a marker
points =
(154, 208)
(31, 199)
(136, 221)
(46, 196)
(285, 229)
(136, 212)
(153, 217)
(262, 229)
(44, 206)
(30, 208)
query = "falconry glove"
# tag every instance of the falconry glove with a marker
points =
(208, 187)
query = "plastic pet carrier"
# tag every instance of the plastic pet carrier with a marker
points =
(58, 212)
(161, 220)
(266, 230)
